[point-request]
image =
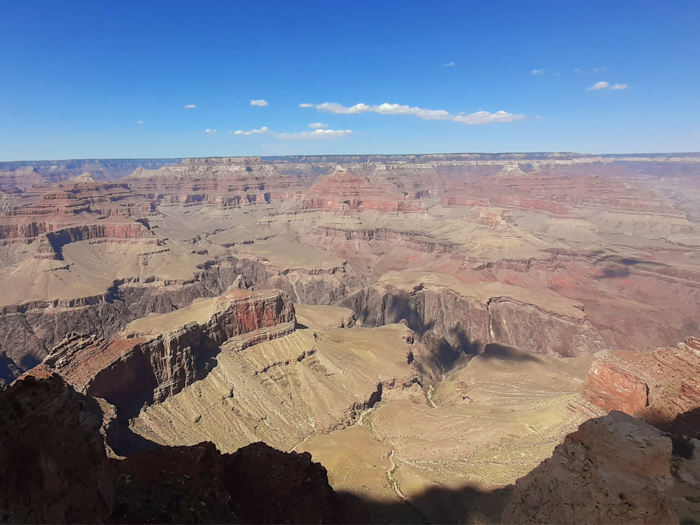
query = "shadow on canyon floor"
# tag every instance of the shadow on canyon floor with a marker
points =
(503, 352)
(439, 505)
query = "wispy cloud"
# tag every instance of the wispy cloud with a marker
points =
(190, 106)
(484, 117)
(577, 70)
(599, 85)
(260, 103)
(318, 134)
(449, 64)
(306, 105)
(537, 71)
(252, 131)
(318, 125)
(538, 117)
(480, 117)
(597, 69)
(619, 86)
(210, 130)
(139, 122)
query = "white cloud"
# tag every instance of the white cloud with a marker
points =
(480, 117)
(190, 106)
(577, 70)
(557, 74)
(318, 134)
(306, 105)
(484, 117)
(252, 131)
(537, 71)
(538, 117)
(140, 122)
(318, 125)
(599, 85)
(210, 130)
(449, 64)
(597, 69)
(260, 103)
(619, 86)
(334, 107)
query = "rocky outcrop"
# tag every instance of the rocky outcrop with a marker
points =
(613, 385)
(160, 355)
(451, 322)
(660, 386)
(614, 469)
(54, 466)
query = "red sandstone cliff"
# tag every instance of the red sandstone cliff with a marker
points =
(659, 386)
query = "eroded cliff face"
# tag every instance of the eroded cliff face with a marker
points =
(32, 329)
(659, 386)
(614, 469)
(452, 323)
(159, 355)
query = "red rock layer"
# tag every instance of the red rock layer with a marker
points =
(613, 386)
(344, 191)
(659, 386)
(76, 210)
(558, 195)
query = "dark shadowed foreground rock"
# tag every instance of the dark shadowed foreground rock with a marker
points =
(256, 484)
(54, 469)
(53, 466)
(614, 469)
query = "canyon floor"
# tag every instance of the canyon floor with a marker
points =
(430, 328)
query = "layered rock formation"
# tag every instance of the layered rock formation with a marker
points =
(660, 386)
(341, 191)
(225, 182)
(586, 228)
(157, 356)
(454, 317)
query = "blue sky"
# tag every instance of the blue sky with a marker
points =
(98, 79)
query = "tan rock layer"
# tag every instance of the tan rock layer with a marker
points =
(150, 367)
